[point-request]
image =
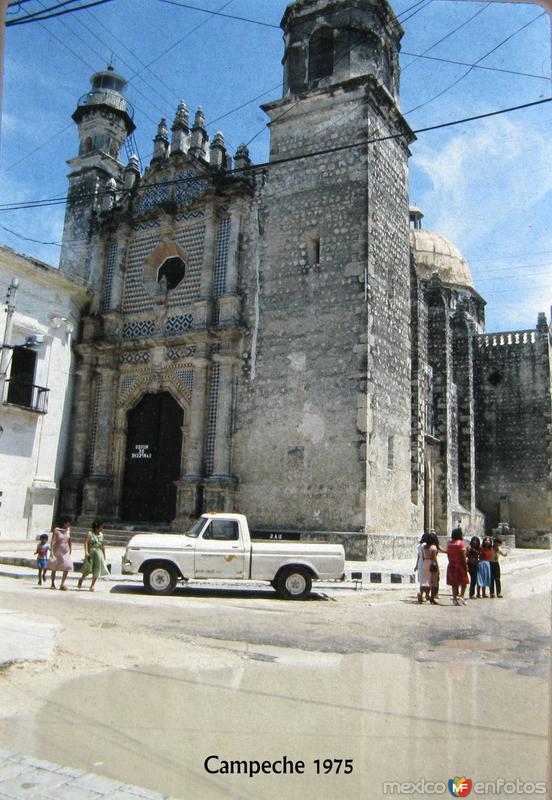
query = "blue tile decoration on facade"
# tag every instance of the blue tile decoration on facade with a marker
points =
(94, 421)
(189, 186)
(138, 330)
(180, 324)
(154, 195)
(139, 357)
(144, 226)
(105, 302)
(135, 297)
(127, 383)
(212, 423)
(189, 215)
(186, 378)
(191, 238)
(179, 353)
(221, 260)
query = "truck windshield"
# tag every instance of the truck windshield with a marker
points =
(197, 528)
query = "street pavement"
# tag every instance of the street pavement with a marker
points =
(21, 776)
(141, 690)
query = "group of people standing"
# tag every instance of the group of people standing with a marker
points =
(475, 565)
(56, 556)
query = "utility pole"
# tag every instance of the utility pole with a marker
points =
(6, 344)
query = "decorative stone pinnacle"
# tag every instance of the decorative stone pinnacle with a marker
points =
(218, 140)
(182, 117)
(199, 121)
(162, 131)
(133, 162)
(242, 152)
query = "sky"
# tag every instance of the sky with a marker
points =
(486, 185)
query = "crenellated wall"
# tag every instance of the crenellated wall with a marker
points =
(513, 427)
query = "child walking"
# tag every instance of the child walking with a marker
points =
(495, 568)
(41, 552)
(484, 567)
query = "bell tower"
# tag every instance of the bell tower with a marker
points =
(331, 41)
(104, 120)
(330, 281)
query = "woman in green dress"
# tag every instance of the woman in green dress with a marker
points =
(94, 555)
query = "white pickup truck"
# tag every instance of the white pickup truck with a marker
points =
(219, 546)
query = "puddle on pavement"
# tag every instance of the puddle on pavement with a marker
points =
(392, 715)
(478, 643)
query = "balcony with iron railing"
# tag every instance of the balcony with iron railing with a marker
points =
(106, 97)
(26, 395)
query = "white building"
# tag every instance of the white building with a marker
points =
(36, 402)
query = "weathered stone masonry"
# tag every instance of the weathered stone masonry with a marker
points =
(275, 340)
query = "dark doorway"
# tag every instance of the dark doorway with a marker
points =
(20, 387)
(154, 445)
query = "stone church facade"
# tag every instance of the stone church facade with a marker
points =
(276, 339)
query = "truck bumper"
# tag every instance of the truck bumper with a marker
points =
(127, 567)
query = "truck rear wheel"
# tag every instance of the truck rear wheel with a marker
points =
(294, 583)
(160, 579)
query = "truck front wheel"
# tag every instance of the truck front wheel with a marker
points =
(160, 579)
(294, 583)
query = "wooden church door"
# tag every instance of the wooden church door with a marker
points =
(153, 453)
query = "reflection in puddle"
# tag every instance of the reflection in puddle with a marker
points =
(394, 716)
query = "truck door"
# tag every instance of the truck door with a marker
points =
(220, 551)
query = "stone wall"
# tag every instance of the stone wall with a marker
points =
(326, 378)
(513, 428)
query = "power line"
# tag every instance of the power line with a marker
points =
(100, 56)
(488, 53)
(179, 41)
(448, 35)
(92, 69)
(475, 66)
(258, 167)
(406, 10)
(35, 18)
(45, 9)
(423, 8)
(132, 53)
(220, 14)
(40, 146)
(28, 238)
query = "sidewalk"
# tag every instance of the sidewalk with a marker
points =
(21, 776)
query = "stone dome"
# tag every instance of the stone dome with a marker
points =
(433, 253)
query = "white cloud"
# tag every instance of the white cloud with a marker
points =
(488, 189)
(484, 179)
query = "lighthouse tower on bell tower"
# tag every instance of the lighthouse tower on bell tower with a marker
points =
(105, 120)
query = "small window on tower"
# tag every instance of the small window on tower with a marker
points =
(313, 249)
(173, 271)
(321, 53)
(390, 452)
(386, 70)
